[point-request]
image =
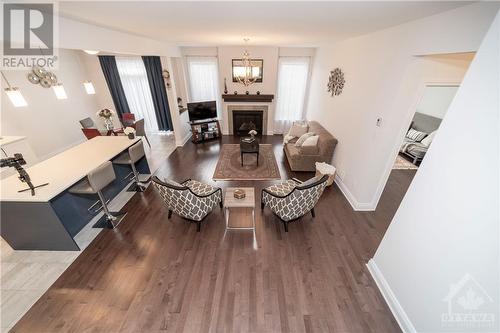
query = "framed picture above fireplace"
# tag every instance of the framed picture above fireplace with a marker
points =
(238, 69)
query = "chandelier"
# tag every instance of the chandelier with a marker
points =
(246, 75)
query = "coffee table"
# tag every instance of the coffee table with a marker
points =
(247, 202)
(249, 148)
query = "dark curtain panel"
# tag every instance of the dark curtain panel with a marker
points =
(157, 86)
(108, 65)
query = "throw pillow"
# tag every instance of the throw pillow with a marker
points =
(303, 138)
(310, 146)
(415, 135)
(298, 129)
(428, 139)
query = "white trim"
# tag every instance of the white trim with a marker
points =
(397, 310)
(184, 140)
(356, 205)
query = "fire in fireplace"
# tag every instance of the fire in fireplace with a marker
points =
(247, 120)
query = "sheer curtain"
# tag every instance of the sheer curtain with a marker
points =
(203, 79)
(136, 86)
(293, 75)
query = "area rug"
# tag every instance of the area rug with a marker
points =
(229, 165)
(402, 164)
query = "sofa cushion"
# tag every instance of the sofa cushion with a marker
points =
(303, 138)
(310, 146)
(283, 188)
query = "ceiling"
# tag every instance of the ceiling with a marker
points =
(265, 23)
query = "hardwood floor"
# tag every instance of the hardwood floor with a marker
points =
(159, 275)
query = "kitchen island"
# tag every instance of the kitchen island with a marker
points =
(51, 218)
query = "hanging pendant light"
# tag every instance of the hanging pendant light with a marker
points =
(89, 87)
(246, 77)
(59, 91)
(14, 94)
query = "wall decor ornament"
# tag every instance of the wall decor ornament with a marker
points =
(40, 75)
(336, 82)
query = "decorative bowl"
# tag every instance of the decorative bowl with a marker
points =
(239, 194)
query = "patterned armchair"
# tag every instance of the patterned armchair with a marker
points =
(293, 199)
(191, 199)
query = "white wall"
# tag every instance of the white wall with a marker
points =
(436, 100)
(51, 125)
(385, 79)
(270, 56)
(448, 223)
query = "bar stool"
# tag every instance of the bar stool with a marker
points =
(134, 154)
(97, 180)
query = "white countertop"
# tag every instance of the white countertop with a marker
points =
(64, 169)
(5, 140)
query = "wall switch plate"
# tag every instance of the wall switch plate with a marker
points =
(379, 122)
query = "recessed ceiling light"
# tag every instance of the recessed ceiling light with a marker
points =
(91, 52)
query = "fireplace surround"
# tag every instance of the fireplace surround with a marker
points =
(242, 118)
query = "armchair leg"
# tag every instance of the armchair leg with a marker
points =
(198, 226)
(285, 224)
(312, 213)
(220, 204)
(262, 205)
(169, 214)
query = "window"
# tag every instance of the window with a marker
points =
(203, 78)
(136, 87)
(293, 75)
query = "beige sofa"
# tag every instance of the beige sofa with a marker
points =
(302, 162)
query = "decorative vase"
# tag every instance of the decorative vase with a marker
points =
(235, 92)
(247, 92)
(225, 86)
(258, 92)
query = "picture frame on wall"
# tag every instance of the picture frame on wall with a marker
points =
(238, 69)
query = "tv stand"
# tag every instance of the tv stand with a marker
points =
(205, 130)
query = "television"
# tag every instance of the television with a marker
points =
(202, 110)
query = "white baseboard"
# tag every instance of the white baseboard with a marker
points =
(356, 205)
(397, 310)
(184, 140)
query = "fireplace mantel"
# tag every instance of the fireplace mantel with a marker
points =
(248, 98)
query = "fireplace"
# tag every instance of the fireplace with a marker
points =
(247, 120)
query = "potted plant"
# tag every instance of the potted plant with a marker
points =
(106, 115)
(130, 132)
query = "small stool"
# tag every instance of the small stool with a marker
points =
(134, 154)
(97, 180)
